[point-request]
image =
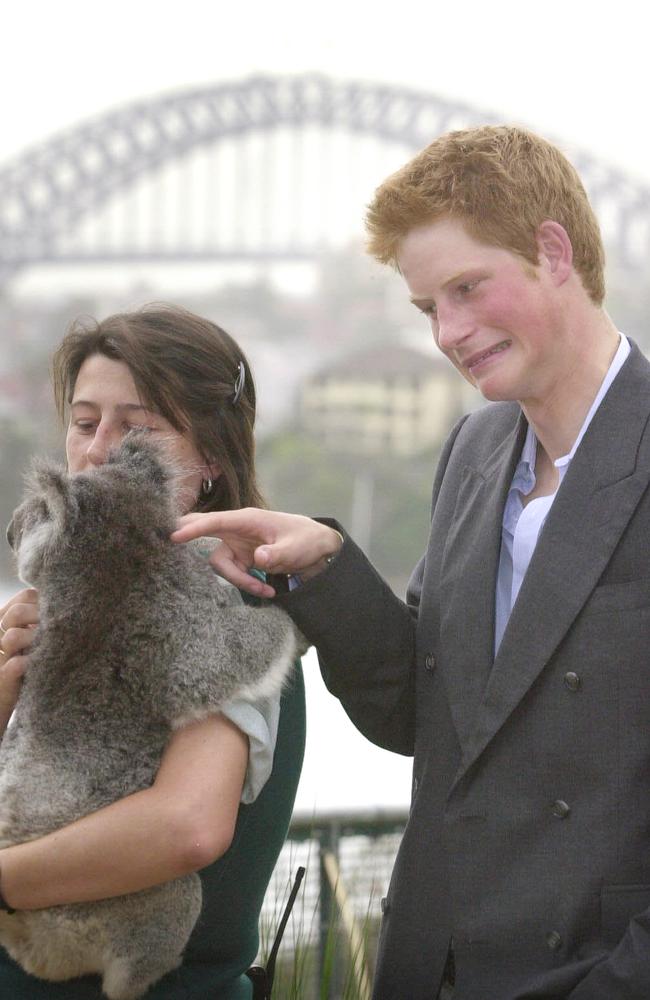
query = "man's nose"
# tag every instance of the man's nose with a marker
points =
(453, 329)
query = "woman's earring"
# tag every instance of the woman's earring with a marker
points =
(206, 485)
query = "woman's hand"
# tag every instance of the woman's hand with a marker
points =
(18, 618)
(265, 539)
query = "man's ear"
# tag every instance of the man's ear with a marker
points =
(555, 250)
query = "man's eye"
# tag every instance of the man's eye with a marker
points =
(85, 426)
(430, 310)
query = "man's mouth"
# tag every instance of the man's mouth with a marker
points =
(477, 359)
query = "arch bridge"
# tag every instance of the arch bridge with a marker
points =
(266, 168)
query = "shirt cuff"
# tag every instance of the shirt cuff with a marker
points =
(295, 580)
(259, 722)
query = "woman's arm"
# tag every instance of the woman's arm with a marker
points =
(183, 822)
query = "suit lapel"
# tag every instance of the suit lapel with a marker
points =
(607, 477)
(468, 579)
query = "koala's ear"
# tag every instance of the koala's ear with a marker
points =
(51, 483)
(144, 459)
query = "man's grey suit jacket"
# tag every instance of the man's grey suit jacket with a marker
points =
(529, 834)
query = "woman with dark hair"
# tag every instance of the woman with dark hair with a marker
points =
(224, 793)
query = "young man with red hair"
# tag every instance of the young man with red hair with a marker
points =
(517, 671)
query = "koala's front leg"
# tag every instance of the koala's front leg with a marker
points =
(271, 643)
(243, 652)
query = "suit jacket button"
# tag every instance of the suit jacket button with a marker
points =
(572, 681)
(429, 663)
(385, 905)
(554, 940)
(560, 809)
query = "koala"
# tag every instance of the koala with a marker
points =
(137, 637)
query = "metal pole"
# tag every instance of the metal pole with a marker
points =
(328, 844)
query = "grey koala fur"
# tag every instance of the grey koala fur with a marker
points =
(137, 636)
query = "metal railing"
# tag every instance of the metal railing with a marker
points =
(329, 945)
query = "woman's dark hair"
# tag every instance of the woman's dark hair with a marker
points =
(187, 369)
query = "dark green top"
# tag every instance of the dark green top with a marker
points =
(225, 940)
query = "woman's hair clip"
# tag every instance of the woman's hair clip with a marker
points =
(240, 382)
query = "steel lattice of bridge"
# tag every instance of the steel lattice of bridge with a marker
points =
(267, 168)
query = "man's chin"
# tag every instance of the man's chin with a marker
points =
(490, 389)
(495, 393)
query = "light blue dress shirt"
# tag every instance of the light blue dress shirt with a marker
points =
(521, 525)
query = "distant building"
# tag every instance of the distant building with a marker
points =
(384, 400)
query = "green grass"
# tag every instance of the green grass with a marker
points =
(301, 973)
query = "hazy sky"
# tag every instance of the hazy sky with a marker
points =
(574, 69)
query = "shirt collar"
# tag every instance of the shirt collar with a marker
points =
(617, 363)
(526, 466)
(524, 477)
